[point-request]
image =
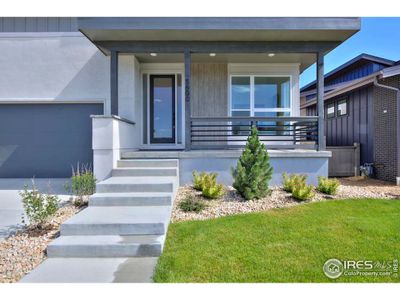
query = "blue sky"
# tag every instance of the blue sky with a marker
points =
(378, 36)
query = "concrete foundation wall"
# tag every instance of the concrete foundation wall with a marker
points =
(312, 166)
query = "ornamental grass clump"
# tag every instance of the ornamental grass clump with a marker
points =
(207, 184)
(291, 180)
(212, 189)
(328, 186)
(303, 192)
(198, 180)
(253, 170)
(38, 207)
(83, 184)
(297, 185)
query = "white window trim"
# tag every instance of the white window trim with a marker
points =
(252, 108)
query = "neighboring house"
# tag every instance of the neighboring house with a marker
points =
(158, 86)
(362, 106)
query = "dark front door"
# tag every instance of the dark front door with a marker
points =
(162, 109)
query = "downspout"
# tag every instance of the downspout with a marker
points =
(376, 83)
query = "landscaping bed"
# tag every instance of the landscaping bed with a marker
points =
(283, 245)
(23, 251)
(233, 203)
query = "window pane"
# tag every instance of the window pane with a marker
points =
(271, 92)
(241, 127)
(342, 107)
(331, 110)
(241, 92)
(272, 127)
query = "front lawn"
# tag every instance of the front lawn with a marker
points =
(283, 245)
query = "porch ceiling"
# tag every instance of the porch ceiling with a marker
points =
(219, 29)
(304, 59)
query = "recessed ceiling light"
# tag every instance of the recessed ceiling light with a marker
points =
(271, 54)
(153, 54)
(212, 54)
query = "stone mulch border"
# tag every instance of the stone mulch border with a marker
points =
(22, 252)
(232, 203)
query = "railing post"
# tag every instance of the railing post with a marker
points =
(320, 100)
(188, 125)
(294, 133)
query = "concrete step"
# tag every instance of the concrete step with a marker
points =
(131, 199)
(121, 172)
(137, 184)
(118, 220)
(93, 270)
(106, 246)
(147, 163)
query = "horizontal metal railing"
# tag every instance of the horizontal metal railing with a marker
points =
(232, 132)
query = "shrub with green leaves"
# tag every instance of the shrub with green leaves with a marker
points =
(253, 171)
(303, 192)
(83, 184)
(207, 184)
(212, 189)
(292, 180)
(198, 180)
(328, 186)
(37, 206)
(191, 204)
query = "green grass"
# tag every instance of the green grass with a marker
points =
(282, 245)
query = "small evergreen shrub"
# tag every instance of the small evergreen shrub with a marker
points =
(303, 192)
(292, 180)
(212, 189)
(328, 186)
(83, 184)
(37, 206)
(207, 184)
(253, 171)
(190, 204)
(198, 180)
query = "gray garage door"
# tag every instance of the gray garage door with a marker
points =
(45, 140)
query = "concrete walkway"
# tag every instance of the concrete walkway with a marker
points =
(11, 210)
(120, 235)
(93, 270)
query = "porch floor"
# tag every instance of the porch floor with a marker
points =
(234, 153)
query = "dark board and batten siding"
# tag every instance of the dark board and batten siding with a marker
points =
(355, 127)
(32, 24)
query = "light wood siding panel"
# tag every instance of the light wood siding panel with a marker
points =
(209, 90)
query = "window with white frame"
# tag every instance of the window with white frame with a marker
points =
(260, 96)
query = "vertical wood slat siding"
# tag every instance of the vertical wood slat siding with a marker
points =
(32, 24)
(209, 90)
(209, 93)
(356, 126)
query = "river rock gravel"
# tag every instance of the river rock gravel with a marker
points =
(232, 203)
(23, 251)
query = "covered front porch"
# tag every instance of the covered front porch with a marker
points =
(194, 90)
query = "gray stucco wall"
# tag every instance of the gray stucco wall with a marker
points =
(312, 166)
(45, 140)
